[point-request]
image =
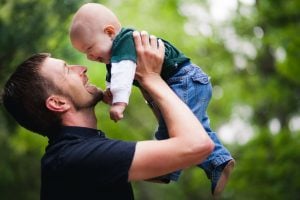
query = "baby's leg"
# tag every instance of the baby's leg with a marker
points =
(198, 95)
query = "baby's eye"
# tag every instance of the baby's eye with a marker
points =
(89, 48)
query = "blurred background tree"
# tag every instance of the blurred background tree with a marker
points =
(248, 47)
(27, 27)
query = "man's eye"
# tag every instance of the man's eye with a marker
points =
(67, 69)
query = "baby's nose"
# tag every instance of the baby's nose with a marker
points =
(91, 57)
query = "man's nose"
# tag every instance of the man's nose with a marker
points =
(79, 69)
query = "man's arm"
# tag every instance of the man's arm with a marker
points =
(188, 143)
(151, 104)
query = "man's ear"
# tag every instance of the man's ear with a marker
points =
(57, 103)
(110, 30)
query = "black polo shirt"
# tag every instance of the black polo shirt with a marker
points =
(81, 163)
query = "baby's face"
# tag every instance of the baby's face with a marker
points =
(97, 46)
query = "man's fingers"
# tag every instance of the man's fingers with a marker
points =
(142, 40)
(150, 53)
(161, 48)
(137, 40)
(145, 38)
(153, 41)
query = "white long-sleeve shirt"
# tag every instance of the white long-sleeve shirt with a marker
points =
(122, 76)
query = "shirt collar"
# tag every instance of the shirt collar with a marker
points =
(77, 131)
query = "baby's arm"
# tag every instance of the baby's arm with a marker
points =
(107, 96)
(122, 75)
(116, 111)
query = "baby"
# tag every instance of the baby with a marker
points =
(97, 32)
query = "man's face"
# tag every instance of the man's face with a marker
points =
(72, 81)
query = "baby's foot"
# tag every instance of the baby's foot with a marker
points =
(220, 177)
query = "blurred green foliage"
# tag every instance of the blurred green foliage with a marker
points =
(252, 58)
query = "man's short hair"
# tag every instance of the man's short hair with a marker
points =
(25, 93)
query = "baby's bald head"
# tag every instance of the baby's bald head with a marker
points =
(92, 17)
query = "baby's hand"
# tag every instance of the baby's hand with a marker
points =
(116, 111)
(107, 97)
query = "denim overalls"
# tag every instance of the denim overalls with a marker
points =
(193, 87)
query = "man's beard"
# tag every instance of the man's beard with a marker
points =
(97, 97)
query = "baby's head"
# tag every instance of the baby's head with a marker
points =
(92, 31)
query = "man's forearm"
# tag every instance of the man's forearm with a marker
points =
(151, 104)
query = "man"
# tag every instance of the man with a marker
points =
(47, 96)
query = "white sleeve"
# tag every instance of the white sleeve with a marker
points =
(107, 84)
(122, 75)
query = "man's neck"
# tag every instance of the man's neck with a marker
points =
(82, 118)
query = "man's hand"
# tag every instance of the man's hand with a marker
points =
(150, 55)
(116, 111)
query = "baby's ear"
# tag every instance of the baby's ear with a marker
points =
(110, 30)
(57, 103)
